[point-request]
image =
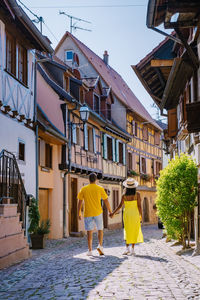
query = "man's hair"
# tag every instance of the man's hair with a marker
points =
(92, 177)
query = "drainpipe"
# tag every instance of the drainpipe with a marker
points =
(67, 125)
(36, 129)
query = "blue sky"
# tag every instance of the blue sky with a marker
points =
(118, 26)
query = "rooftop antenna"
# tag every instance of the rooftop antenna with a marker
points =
(73, 25)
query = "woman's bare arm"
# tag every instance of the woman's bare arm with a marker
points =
(118, 208)
(139, 204)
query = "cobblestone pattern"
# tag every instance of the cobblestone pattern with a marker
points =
(63, 271)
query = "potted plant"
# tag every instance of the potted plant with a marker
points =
(36, 229)
(132, 173)
(145, 177)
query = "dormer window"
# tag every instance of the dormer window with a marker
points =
(96, 104)
(69, 54)
(108, 111)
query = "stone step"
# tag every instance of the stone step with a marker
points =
(9, 226)
(14, 257)
(8, 209)
(11, 242)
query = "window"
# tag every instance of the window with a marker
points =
(143, 165)
(78, 135)
(109, 147)
(10, 54)
(48, 156)
(145, 133)
(108, 112)
(115, 199)
(74, 89)
(130, 161)
(22, 151)
(120, 153)
(15, 52)
(22, 64)
(136, 129)
(69, 55)
(96, 105)
(158, 167)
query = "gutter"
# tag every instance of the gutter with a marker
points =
(22, 16)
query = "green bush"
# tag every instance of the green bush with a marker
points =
(176, 196)
(34, 217)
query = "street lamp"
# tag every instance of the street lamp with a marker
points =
(84, 113)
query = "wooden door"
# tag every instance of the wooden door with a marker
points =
(44, 204)
(145, 210)
(73, 206)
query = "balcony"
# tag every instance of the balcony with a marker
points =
(193, 111)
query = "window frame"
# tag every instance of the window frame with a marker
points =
(24, 150)
(67, 59)
(95, 96)
(48, 160)
(142, 171)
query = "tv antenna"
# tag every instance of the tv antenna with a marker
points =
(73, 25)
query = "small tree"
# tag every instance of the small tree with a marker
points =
(176, 196)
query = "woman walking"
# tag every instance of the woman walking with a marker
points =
(132, 215)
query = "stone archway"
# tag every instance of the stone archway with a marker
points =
(145, 210)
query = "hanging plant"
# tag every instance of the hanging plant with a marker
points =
(145, 177)
(132, 173)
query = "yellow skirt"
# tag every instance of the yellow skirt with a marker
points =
(132, 227)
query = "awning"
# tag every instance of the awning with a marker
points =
(180, 73)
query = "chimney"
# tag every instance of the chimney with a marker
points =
(105, 57)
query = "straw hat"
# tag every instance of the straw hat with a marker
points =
(130, 183)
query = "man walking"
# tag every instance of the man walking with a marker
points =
(92, 194)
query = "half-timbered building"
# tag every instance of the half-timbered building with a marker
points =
(111, 99)
(175, 83)
(18, 38)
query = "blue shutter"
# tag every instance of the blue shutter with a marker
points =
(124, 154)
(94, 140)
(74, 140)
(105, 152)
(113, 149)
(85, 136)
(117, 151)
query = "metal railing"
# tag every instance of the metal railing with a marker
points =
(11, 184)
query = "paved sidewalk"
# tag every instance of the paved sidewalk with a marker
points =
(63, 271)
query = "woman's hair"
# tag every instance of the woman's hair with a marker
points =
(129, 192)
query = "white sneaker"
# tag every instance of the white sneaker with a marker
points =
(100, 250)
(89, 253)
(126, 251)
(132, 252)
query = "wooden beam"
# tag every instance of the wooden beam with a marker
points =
(162, 62)
(183, 6)
(190, 52)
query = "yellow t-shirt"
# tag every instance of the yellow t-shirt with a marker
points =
(92, 195)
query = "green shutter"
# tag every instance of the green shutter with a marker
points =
(74, 140)
(105, 152)
(113, 149)
(85, 136)
(124, 154)
(117, 151)
(94, 140)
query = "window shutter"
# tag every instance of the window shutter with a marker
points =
(113, 149)
(172, 122)
(145, 133)
(86, 136)
(133, 161)
(117, 151)
(42, 153)
(124, 154)
(105, 152)
(94, 140)
(157, 138)
(74, 139)
(133, 127)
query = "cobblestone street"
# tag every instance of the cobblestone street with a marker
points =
(63, 271)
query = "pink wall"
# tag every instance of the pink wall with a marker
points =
(50, 103)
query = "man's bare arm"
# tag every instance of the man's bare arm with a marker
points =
(80, 203)
(108, 205)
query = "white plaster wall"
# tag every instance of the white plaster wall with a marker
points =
(11, 131)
